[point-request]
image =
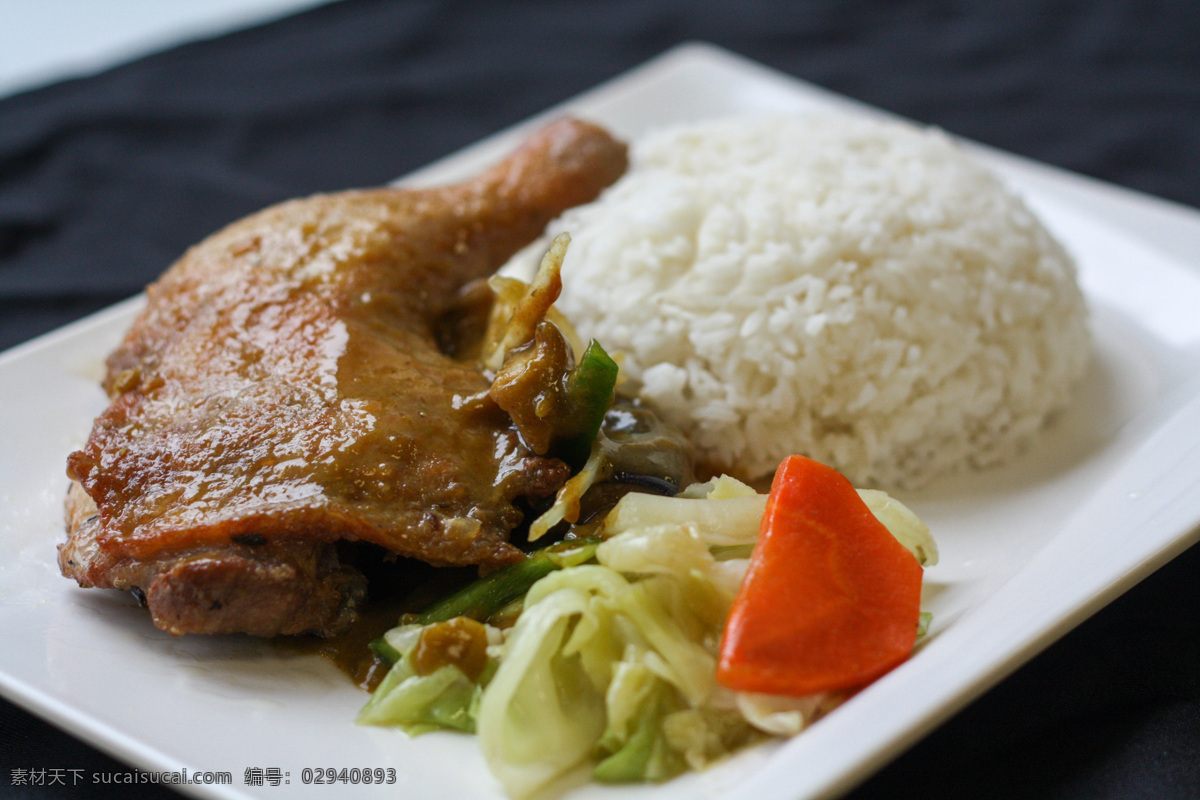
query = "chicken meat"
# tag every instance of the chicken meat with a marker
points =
(284, 389)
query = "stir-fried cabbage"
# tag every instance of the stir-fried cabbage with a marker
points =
(444, 698)
(611, 665)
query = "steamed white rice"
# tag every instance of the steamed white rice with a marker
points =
(860, 292)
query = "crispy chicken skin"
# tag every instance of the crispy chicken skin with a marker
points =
(283, 389)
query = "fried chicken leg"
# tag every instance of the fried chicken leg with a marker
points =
(283, 389)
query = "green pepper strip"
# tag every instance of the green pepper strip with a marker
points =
(589, 393)
(385, 651)
(488, 595)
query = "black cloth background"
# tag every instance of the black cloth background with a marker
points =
(105, 180)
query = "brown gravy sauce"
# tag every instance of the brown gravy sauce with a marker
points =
(398, 588)
(350, 651)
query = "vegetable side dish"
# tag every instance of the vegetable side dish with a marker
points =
(671, 636)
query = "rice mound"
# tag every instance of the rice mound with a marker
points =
(861, 292)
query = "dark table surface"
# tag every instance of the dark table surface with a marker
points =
(105, 180)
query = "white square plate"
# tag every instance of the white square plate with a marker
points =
(1109, 492)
